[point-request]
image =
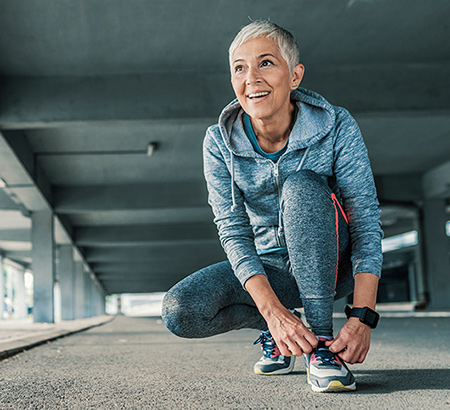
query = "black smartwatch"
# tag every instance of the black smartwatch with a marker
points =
(366, 315)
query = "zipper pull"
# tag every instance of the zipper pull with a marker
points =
(275, 170)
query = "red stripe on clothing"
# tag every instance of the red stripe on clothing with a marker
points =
(335, 201)
(336, 222)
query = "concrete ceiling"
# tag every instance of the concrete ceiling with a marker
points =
(117, 37)
(87, 85)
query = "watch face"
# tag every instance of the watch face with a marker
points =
(371, 317)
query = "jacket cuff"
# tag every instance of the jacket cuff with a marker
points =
(247, 269)
(367, 267)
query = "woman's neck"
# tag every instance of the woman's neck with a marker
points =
(272, 134)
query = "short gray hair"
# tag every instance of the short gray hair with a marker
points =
(264, 28)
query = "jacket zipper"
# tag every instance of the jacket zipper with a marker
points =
(277, 179)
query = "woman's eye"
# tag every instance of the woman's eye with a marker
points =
(238, 69)
(266, 63)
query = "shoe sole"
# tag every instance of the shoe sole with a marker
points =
(278, 372)
(334, 386)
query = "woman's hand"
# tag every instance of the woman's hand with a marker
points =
(290, 334)
(352, 342)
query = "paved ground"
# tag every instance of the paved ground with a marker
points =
(135, 363)
(16, 336)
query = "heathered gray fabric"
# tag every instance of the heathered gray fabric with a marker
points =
(245, 188)
(308, 208)
(212, 300)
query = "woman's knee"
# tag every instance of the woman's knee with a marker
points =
(191, 305)
(177, 314)
(304, 182)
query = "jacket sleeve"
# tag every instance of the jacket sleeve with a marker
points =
(235, 232)
(357, 188)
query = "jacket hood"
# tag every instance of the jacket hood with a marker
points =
(316, 118)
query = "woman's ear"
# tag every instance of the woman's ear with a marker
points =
(297, 76)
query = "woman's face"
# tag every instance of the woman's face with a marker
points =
(261, 79)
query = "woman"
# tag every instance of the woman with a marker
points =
(278, 165)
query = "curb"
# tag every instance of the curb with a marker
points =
(26, 343)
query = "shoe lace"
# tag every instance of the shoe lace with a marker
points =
(323, 354)
(268, 345)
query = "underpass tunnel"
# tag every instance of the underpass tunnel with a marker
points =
(102, 118)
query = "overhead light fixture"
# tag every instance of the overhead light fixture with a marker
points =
(152, 146)
(2, 183)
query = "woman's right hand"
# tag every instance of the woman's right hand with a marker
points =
(290, 334)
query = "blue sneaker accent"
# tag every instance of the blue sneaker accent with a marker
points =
(268, 345)
(272, 361)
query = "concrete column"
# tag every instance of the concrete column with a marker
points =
(99, 301)
(9, 288)
(43, 255)
(66, 276)
(95, 299)
(79, 290)
(102, 303)
(56, 290)
(419, 257)
(92, 306)
(437, 253)
(412, 281)
(2, 287)
(19, 295)
(57, 302)
(87, 294)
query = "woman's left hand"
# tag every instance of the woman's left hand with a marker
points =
(352, 342)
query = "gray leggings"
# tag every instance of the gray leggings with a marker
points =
(312, 274)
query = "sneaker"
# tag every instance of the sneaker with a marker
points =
(272, 361)
(327, 372)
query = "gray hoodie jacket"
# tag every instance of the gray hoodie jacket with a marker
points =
(245, 188)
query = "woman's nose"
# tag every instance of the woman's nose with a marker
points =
(253, 76)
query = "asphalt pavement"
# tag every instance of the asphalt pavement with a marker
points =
(21, 335)
(135, 363)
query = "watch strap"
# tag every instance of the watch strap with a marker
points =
(366, 315)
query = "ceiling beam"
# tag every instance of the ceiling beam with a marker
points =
(80, 199)
(15, 235)
(47, 101)
(52, 101)
(17, 170)
(436, 182)
(147, 253)
(128, 275)
(17, 254)
(6, 203)
(399, 188)
(144, 234)
(148, 284)
(383, 88)
(401, 225)
(155, 267)
(22, 151)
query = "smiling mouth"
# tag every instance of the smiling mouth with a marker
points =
(258, 95)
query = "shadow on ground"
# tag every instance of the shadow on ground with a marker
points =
(387, 381)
